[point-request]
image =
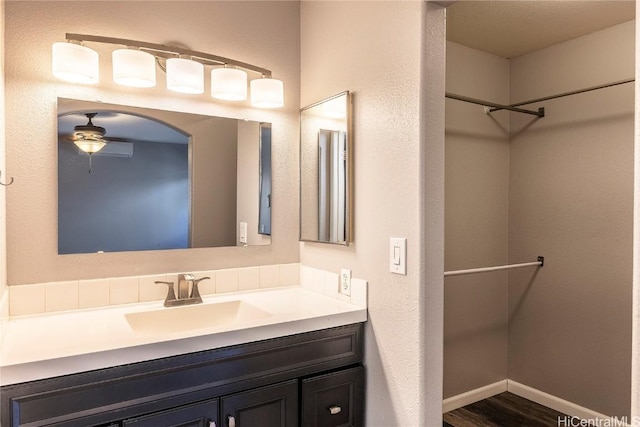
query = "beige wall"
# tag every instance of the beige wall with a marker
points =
(263, 33)
(571, 200)
(384, 52)
(476, 221)
(635, 349)
(214, 157)
(249, 182)
(5, 174)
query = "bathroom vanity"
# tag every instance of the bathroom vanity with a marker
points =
(299, 363)
(309, 379)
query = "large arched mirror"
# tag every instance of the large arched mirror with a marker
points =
(326, 144)
(159, 179)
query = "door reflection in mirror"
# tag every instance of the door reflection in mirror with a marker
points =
(325, 171)
(264, 215)
(331, 185)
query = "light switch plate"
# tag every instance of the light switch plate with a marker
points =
(345, 282)
(398, 255)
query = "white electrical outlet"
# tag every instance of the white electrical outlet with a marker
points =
(243, 232)
(345, 282)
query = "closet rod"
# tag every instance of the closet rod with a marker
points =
(496, 107)
(539, 263)
(560, 95)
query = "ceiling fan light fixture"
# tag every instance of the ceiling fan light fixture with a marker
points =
(75, 63)
(90, 145)
(89, 137)
(134, 68)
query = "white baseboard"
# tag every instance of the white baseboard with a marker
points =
(473, 396)
(553, 402)
(537, 396)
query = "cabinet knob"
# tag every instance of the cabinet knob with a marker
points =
(231, 421)
(335, 410)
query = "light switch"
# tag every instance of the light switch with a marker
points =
(398, 255)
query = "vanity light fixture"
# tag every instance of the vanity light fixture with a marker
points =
(134, 68)
(229, 84)
(184, 68)
(75, 63)
(185, 76)
(267, 93)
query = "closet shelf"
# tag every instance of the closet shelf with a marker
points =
(538, 263)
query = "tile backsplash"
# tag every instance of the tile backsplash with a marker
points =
(84, 294)
(328, 283)
(80, 294)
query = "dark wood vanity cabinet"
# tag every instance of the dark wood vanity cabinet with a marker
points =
(334, 400)
(273, 406)
(200, 414)
(314, 379)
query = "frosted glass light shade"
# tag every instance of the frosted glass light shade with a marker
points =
(229, 84)
(185, 76)
(267, 93)
(134, 68)
(90, 146)
(75, 63)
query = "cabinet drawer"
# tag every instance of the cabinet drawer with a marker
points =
(203, 414)
(334, 400)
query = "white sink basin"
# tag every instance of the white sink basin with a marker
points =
(199, 316)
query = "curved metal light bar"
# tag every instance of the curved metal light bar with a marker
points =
(165, 51)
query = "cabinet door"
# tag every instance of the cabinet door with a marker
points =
(203, 414)
(271, 406)
(334, 400)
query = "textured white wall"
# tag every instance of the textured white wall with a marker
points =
(391, 55)
(264, 33)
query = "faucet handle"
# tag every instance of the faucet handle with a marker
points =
(195, 293)
(171, 295)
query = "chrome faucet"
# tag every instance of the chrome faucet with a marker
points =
(188, 292)
(185, 282)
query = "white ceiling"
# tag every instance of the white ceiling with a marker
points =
(513, 28)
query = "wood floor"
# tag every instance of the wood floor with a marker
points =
(503, 410)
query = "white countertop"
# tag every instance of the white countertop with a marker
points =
(48, 345)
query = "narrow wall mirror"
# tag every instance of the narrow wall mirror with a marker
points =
(163, 180)
(326, 147)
